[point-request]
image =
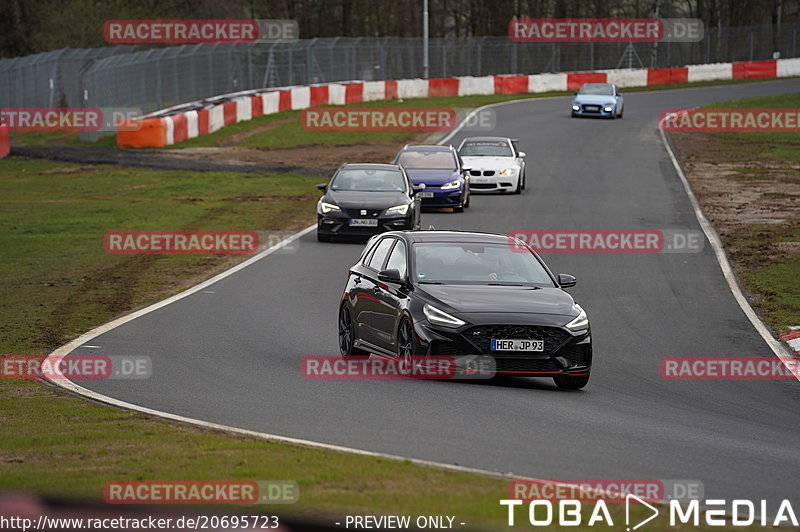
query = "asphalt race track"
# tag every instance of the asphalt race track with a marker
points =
(231, 354)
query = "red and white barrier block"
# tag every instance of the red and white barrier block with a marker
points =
(173, 126)
(5, 145)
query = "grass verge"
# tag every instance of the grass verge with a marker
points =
(749, 186)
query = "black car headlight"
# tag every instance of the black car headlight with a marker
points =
(441, 318)
(325, 207)
(397, 210)
(580, 322)
(451, 185)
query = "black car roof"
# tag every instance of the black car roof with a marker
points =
(373, 166)
(452, 236)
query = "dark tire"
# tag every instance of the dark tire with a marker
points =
(622, 112)
(323, 238)
(571, 382)
(460, 208)
(524, 178)
(405, 348)
(518, 190)
(347, 336)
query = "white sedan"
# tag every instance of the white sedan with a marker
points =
(495, 164)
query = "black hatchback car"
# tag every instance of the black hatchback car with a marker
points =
(364, 199)
(414, 295)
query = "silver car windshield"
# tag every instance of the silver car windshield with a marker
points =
(477, 263)
(598, 89)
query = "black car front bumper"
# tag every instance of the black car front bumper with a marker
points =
(338, 223)
(565, 352)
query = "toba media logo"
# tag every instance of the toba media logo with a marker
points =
(585, 502)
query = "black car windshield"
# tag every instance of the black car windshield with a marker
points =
(598, 89)
(369, 180)
(427, 159)
(477, 263)
(486, 149)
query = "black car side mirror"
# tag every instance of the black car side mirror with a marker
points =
(390, 276)
(565, 280)
(323, 187)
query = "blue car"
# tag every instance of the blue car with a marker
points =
(441, 170)
(598, 99)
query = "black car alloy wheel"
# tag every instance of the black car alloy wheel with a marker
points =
(405, 348)
(347, 336)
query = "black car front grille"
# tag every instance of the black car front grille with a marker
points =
(481, 336)
(368, 213)
(478, 172)
(482, 186)
(576, 355)
(544, 365)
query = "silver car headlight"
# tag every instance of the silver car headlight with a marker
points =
(440, 317)
(451, 185)
(508, 171)
(576, 107)
(580, 322)
(325, 207)
(397, 209)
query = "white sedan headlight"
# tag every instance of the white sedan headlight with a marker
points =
(440, 317)
(580, 322)
(576, 107)
(328, 207)
(397, 209)
(508, 171)
(451, 185)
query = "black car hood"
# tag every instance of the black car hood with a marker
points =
(466, 299)
(366, 200)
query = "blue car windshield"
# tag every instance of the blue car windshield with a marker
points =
(427, 159)
(485, 149)
(598, 89)
(367, 180)
(477, 263)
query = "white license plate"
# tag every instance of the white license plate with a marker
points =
(364, 222)
(479, 179)
(426, 194)
(592, 108)
(517, 345)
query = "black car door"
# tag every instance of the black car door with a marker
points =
(366, 304)
(391, 297)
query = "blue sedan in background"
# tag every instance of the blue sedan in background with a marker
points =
(598, 99)
(441, 170)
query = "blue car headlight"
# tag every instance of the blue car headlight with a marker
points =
(451, 185)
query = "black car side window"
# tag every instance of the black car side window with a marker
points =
(381, 250)
(397, 260)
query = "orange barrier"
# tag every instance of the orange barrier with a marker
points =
(148, 133)
(5, 145)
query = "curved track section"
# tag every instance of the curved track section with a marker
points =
(230, 352)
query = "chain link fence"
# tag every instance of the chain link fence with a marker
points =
(156, 78)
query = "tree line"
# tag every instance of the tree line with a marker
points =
(31, 26)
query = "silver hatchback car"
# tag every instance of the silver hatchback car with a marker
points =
(598, 99)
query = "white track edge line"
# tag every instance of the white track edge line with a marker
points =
(727, 270)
